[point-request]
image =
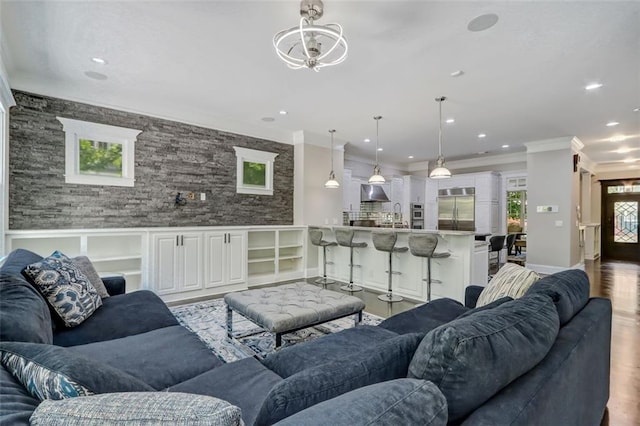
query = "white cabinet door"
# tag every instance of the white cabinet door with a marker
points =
(236, 261)
(164, 277)
(354, 195)
(190, 261)
(418, 189)
(177, 262)
(431, 205)
(346, 195)
(226, 258)
(215, 244)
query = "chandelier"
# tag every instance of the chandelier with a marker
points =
(309, 45)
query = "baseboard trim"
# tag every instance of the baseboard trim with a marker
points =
(552, 269)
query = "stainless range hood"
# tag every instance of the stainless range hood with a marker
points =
(369, 193)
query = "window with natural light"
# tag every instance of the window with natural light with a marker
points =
(98, 154)
(254, 171)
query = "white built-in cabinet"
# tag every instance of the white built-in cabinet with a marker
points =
(177, 262)
(181, 263)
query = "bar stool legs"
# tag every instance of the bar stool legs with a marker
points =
(386, 241)
(351, 287)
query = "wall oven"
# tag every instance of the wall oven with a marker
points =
(417, 216)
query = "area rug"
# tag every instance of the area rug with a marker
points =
(209, 321)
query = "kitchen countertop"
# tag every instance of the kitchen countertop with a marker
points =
(399, 230)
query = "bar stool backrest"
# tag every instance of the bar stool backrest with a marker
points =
(511, 239)
(384, 241)
(344, 237)
(422, 245)
(315, 235)
(496, 242)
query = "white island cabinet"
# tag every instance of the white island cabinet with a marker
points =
(455, 272)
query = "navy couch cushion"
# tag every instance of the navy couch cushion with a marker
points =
(569, 290)
(16, 404)
(17, 260)
(406, 402)
(244, 383)
(120, 316)
(160, 358)
(333, 347)
(472, 358)
(387, 361)
(490, 305)
(424, 318)
(36, 364)
(17, 298)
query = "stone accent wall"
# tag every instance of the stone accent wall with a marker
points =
(170, 157)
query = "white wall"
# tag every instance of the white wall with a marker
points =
(552, 238)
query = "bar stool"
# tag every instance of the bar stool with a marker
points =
(496, 244)
(315, 235)
(424, 245)
(386, 241)
(345, 239)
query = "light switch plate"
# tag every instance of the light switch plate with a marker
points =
(547, 209)
(203, 196)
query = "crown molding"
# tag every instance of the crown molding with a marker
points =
(616, 167)
(555, 144)
(400, 167)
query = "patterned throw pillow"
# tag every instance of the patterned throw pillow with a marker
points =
(138, 408)
(511, 280)
(54, 372)
(86, 267)
(65, 287)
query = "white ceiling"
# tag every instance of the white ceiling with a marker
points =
(212, 63)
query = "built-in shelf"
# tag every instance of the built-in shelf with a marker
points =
(262, 259)
(276, 255)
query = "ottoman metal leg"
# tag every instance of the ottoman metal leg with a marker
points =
(357, 317)
(229, 322)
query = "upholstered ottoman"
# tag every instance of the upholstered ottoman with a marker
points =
(290, 307)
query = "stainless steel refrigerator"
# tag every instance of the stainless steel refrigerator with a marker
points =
(456, 209)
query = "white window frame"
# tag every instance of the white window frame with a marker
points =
(253, 156)
(76, 130)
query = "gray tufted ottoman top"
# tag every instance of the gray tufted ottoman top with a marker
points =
(292, 306)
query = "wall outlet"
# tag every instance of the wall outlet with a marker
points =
(203, 196)
(192, 196)
(558, 223)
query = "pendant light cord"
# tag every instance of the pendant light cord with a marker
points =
(377, 118)
(440, 99)
(332, 132)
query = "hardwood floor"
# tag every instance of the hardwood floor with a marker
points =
(620, 282)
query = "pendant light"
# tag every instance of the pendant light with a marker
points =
(440, 172)
(377, 178)
(332, 183)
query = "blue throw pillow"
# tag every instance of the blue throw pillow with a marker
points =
(386, 361)
(472, 358)
(53, 372)
(65, 288)
(402, 402)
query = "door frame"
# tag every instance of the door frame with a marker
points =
(609, 251)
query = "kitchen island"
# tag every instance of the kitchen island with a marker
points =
(466, 265)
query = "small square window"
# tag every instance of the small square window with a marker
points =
(254, 171)
(98, 154)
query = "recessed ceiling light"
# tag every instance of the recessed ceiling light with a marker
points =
(618, 138)
(95, 75)
(99, 60)
(612, 123)
(482, 135)
(457, 73)
(630, 160)
(482, 152)
(367, 140)
(379, 149)
(505, 146)
(411, 156)
(450, 120)
(593, 86)
(636, 109)
(622, 150)
(482, 22)
(283, 112)
(268, 119)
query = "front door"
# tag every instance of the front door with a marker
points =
(620, 212)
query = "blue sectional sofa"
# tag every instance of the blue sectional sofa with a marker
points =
(541, 359)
